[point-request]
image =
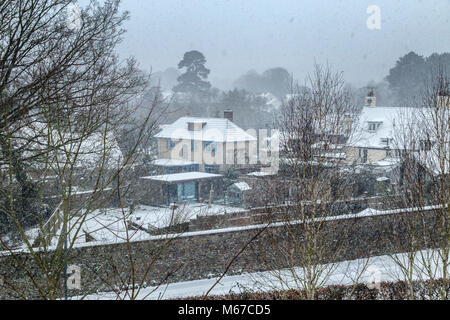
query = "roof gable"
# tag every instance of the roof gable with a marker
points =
(215, 129)
(377, 126)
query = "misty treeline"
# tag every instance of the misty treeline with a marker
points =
(412, 71)
(405, 81)
(256, 97)
(254, 100)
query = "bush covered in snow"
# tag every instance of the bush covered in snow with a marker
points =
(423, 290)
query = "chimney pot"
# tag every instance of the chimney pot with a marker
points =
(371, 99)
(228, 114)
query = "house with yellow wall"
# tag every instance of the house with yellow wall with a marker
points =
(205, 144)
(378, 133)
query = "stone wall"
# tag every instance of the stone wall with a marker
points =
(197, 255)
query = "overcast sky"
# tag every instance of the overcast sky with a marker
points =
(238, 35)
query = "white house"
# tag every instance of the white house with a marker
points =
(205, 144)
(378, 132)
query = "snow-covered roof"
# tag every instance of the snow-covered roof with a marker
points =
(110, 225)
(386, 162)
(184, 176)
(369, 212)
(260, 173)
(332, 155)
(272, 102)
(94, 148)
(437, 164)
(216, 129)
(384, 121)
(242, 186)
(172, 162)
(84, 150)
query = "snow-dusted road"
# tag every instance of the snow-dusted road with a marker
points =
(373, 270)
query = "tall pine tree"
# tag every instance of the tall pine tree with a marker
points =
(193, 80)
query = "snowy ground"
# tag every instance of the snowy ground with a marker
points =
(370, 271)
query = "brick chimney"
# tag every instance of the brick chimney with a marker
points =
(228, 114)
(371, 100)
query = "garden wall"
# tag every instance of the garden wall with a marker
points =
(203, 254)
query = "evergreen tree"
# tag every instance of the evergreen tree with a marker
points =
(439, 61)
(408, 75)
(193, 80)
(277, 81)
(412, 72)
(274, 80)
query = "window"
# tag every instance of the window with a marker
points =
(372, 126)
(187, 191)
(184, 152)
(211, 168)
(363, 155)
(386, 141)
(209, 147)
(192, 145)
(192, 167)
(196, 126)
(170, 144)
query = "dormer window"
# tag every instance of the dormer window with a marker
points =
(373, 126)
(196, 126)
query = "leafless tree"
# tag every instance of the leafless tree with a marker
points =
(316, 122)
(64, 96)
(423, 140)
